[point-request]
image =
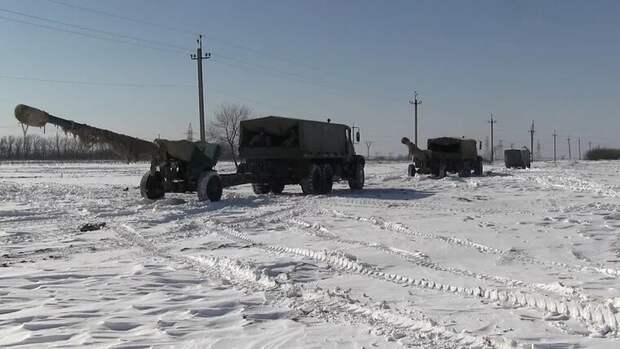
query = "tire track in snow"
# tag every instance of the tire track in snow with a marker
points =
(420, 259)
(402, 229)
(574, 184)
(599, 317)
(340, 305)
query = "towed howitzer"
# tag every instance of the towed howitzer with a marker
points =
(176, 166)
(444, 155)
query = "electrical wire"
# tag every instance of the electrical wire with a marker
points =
(120, 35)
(88, 35)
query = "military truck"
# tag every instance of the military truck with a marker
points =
(445, 155)
(517, 158)
(278, 151)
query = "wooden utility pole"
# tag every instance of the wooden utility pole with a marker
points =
(198, 57)
(532, 142)
(579, 147)
(415, 102)
(555, 136)
(492, 122)
(569, 154)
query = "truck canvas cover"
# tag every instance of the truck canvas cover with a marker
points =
(277, 137)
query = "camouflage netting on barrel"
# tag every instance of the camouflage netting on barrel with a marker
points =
(130, 148)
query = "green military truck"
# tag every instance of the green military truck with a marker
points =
(445, 155)
(277, 151)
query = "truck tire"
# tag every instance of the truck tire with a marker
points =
(466, 170)
(209, 186)
(152, 186)
(441, 171)
(411, 170)
(478, 167)
(277, 188)
(327, 182)
(261, 188)
(311, 184)
(357, 182)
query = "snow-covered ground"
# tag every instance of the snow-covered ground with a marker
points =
(523, 258)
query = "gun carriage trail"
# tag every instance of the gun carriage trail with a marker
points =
(513, 258)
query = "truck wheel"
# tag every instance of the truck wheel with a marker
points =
(261, 188)
(357, 182)
(328, 179)
(152, 186)
(465, 171)
(411, 170)
(277, 188)
(311, 184)
(441, 171)
(209, 187)
(478, 167)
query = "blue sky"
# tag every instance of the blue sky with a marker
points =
(556, 62)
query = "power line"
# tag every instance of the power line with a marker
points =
(93, 83)
(88, 35)
(98, 37)
(136, 85)
(180, 30)
(125, 18)
(120, 35)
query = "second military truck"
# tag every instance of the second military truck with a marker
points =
(277, 151)
(445, 155)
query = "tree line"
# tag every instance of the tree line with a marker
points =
(59, 147)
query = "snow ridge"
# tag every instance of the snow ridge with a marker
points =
(599, 317)
(400, 228)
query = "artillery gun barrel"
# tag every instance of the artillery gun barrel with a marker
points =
(129, 147)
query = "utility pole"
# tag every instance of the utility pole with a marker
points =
(415, 102)
(579, 146)
(554, 145)
(569, 154)
(492, 122)
(198, 57)
(368, 144)
(532, 142)
(190, 133)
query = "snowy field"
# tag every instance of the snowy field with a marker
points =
(517, 258)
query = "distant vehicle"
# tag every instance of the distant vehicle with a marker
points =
(517, 158)
(278, 151)
(445, 155)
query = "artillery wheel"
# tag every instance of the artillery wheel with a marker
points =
(277, 188)
(478, 167)
(327, 172)
(152, 186)
(209, 187)
(357, 182)
(411, 170)
(311, 184)
(261, 188)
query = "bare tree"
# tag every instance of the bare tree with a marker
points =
(225, 127)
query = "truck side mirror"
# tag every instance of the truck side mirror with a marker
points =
(357, 137)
